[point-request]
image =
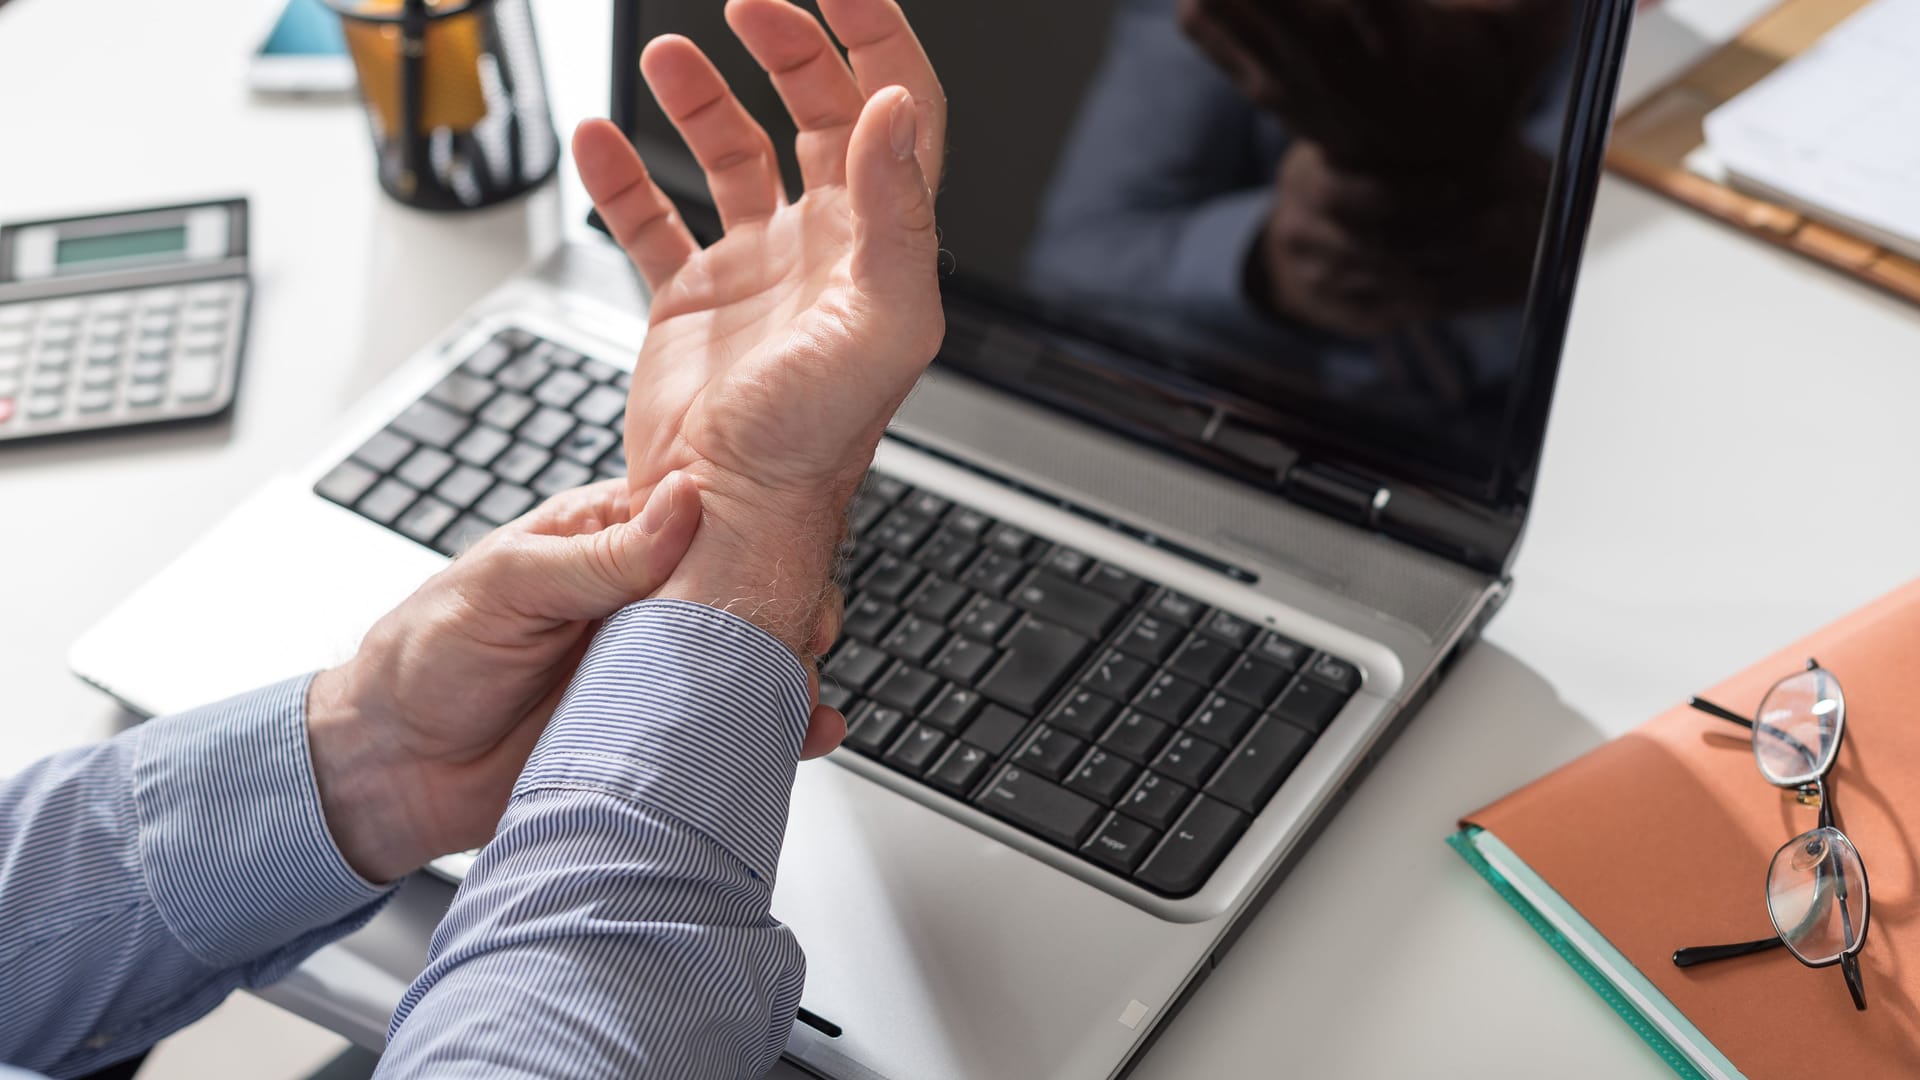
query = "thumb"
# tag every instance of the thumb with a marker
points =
(593, 575)
(896, 251)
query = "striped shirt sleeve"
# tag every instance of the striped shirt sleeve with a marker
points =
(619, 923)
(145, 878)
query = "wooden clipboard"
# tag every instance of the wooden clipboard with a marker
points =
(1651, 142)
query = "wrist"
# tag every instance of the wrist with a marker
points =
(360, 787)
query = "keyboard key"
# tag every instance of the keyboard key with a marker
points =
(558, 355)
(1039, 657)
(901, 531)
(1170, 697)
(508, 410)
(93, 401)
(1066, 562)
(348, 481)
(545, 428)
(994, 729)
(1256, 768)
(969, 522)
(869, 619)
(504, 503)
(425, 519)
(985, 619)
(1040, 806)
(520, 463)
(1177, 607)
(1230, 628)
(424, 421)
(425, 468)
(1309, 703)
(1222, 720)
(993, 572)
(1136, 735)
(1202, 658)
(461, 392)
(1150, 638)
(874, 728)
(905, 687)
(953, 709)
(946, 553)
(1120, 844)
(464, 486)
(890, 578)
(835, 696)
(1193, 848)
(887, 489)
(602, 406)
(1117, 675)
(865, 511)
(1115, 582)
(523, 373)
(1335, 672)
(928, 505)
(1103, 776)
(1051, 597)
(960, 770)
(1253, 682)
(914, 638)
(561, 476)
(1014, 542)
(854, 665)
(588, 445)
(561, 389)
(387, 501)
(1189, 759)
(938, 599)
(1284, 652)
(1156, 800)
(917, 749)
(1050, 753)
(599, 371)
(489, 358)
(461, 535)
(482, 445)
(385, 450)
(963, 660)
(1084, 713)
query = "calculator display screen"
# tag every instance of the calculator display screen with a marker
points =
(75, 251)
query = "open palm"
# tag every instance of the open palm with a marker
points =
(775, 357)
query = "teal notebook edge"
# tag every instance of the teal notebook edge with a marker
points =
(1602, 967)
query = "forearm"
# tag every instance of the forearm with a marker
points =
(626, 899)
(145, 878)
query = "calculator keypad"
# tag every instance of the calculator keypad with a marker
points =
(119, 358)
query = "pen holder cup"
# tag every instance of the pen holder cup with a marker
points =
(455, 96)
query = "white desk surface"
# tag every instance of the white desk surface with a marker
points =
(1728, 467)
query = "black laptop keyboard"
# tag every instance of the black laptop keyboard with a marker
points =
(1104, 714)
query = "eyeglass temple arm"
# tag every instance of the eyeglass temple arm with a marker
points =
(1707, 954)
(1720, 711)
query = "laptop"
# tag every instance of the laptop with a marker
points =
(1193, 512)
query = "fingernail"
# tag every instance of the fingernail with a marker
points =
(659, 509)
(903, 125)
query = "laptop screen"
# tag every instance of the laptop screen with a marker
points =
(1283, 231)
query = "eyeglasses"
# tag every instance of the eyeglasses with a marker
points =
(1816, 885)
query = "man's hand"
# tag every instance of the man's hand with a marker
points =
(417, 740)
(775, 358)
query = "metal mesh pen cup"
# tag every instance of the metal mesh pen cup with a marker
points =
(455, 96)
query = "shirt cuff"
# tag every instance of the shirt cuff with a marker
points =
(233, 841)
(690, 711)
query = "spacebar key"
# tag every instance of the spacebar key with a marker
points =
(1039, 655)
(1040, 806)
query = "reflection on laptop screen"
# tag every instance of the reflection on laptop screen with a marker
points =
(1318, 222)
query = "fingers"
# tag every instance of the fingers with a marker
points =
(742, 172)
(885, 52)
(577, 510)
(826, 728)
(591, 575)
(811, 77)
(638, 214)
(895, 248)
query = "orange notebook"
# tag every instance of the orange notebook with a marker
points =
(1661, 839)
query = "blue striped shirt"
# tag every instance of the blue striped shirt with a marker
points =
(618, 925)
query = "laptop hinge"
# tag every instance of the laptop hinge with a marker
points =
(1336, 491)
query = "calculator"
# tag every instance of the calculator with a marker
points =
(115, 320)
